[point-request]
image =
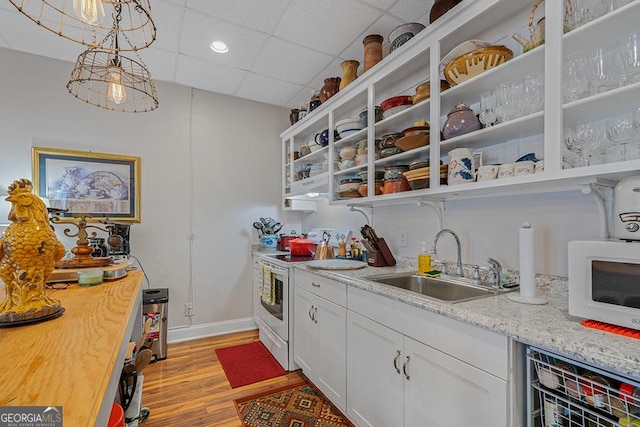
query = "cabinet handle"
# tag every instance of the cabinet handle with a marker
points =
(395, 361)
(315, 311)
(311, 313)
(404, 367)
(315, 285)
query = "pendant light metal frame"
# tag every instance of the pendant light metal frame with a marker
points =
(92, 75)
(58, 16)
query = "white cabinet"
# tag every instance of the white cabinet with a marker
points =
(539, 132)
(393, 380)
(442, 391)
(320, 335)
(374, 373)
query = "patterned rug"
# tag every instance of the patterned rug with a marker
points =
(298, 405)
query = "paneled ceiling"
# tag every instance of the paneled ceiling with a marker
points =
(279, 50)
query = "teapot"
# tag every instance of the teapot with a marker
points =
(324, 251)
(537, 33)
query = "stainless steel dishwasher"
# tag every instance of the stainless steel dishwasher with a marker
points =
(562, 392)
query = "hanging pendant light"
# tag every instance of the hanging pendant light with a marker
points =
(83, 21)
(113, 81)
(106, 78)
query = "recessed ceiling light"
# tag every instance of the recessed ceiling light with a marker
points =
(219, 47)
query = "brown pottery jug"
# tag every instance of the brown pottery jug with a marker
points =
(440, 7)
(330, 88)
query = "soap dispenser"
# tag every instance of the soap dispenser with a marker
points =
(424, 260)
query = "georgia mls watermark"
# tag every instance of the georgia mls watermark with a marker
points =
(30, 416)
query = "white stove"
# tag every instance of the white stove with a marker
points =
(273, 309)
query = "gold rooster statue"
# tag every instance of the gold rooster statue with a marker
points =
(28, 252)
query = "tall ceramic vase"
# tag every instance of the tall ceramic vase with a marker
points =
(349, 72)
(331, 87)
(372, 50)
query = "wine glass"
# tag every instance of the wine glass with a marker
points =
(574, 78)
(588, 138)
(620, 131)
(603, 73)
(488, 108)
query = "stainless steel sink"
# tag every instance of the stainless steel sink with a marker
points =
(449, 289)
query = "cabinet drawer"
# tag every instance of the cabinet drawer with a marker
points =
(335, 292)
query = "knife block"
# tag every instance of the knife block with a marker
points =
(381, 257)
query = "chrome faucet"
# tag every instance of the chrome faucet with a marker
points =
(496, 269)
(458, 271)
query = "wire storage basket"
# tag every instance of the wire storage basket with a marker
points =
(567, 393)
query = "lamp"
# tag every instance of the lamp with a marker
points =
(104, 77)
(82, 21)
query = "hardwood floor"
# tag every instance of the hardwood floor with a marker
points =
(189, 388)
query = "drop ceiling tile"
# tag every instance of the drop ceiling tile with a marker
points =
(286, 61)
(265, 89)
(412, 11)
(166, 16)
(382, 4)
(301, 97)
(259, 15)
(329, 26)
(199, 31)
(160, 63)
(207, 76)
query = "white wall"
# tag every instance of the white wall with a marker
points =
(487, 227)
(211, 166)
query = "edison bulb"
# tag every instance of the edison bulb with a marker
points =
(116, 91)
(89, 11)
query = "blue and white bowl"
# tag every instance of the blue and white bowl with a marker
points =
(348, 127)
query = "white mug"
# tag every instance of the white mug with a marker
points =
(487, 172)
(461, 166)
(505, 170)
(523, 168)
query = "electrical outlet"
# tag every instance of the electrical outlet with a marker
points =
(188, 309)
(402, 237)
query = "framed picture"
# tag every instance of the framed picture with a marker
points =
(95, 184)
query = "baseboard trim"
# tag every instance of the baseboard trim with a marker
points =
(204, 330)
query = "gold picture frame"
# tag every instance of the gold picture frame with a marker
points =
(98, 185)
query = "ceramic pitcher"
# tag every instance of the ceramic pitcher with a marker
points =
(461, 166)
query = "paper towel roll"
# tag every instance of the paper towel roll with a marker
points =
(527, 260)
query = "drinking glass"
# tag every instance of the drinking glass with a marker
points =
(603, 73)
(574, 78)
(488, 108)
(629, 49)
(581, 12)
(620, 131)
(614, 4)
(588, 138)
(505, 106)
(533, 96)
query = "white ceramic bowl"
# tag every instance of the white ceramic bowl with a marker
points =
(349, 126)
(394, 110)
(347, 153)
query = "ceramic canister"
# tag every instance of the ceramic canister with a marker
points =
(461, 166)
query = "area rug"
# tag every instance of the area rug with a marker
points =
(297, 405)
(248, 363)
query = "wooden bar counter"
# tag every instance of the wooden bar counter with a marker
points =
(75, 360)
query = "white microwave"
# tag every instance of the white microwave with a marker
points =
(604, 281)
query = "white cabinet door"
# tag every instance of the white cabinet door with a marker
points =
(330, 351)
(304, 331)
(374, 385)
(443, 391)
(320, 344)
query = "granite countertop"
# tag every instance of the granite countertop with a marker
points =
(547, 326)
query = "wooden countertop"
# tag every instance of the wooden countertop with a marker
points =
(73, 361)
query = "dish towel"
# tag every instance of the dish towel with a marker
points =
(267, 290)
